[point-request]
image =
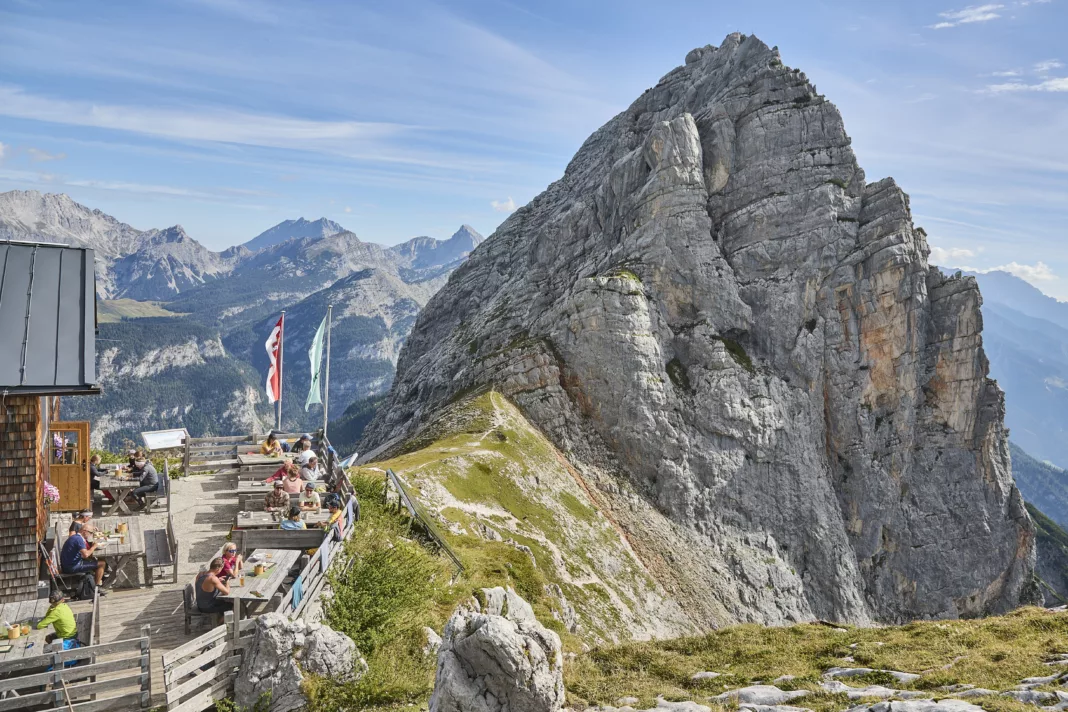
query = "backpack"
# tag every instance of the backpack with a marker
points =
(86, 589)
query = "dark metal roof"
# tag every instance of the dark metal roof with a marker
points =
(47, 318)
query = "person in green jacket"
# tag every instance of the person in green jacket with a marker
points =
(60, 617)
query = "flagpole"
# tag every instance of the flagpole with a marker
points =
(281, 344)
(326, 389)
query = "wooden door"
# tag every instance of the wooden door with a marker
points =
(68, 465)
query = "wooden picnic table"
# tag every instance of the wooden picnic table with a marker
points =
(248, 459)
(24, 646)
(262, 588)
(268, 520)
(118, 551)
(119, 487)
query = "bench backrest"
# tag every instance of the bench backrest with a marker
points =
(172, 540)
(251, 539)
(189, 597)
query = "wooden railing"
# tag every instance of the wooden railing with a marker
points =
(313, 575)
(123, 667)
(415, 510)
(203, 670)
(215, 453)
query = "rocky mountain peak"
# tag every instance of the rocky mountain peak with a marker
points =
(467, 235)
(289, 229)
(739, 342)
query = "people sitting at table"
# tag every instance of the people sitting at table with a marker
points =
(61, 618)
(271, 447)
(95, 473)
(277, 499)
(309, 467)
(293, 520)
(76, 556)
(133, 456)
(82, 518)
(209, 587)
(334, 505)
(302, 444)
(149, 479)
(310, 499)
(289, 475)
(232, 562)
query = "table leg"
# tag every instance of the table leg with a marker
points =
(148, 572)
(120, 564)
(114, 504)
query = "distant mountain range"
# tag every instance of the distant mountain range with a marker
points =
(182, 327)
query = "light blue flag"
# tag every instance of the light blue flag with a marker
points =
(315, 355)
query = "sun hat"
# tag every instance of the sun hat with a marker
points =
(56, 596)
(277, 484)
(309, 486)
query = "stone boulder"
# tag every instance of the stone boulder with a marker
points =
(759, 695)
(920, 706)
(496, 656)
(282, 651)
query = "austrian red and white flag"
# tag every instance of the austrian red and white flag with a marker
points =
(274, 353)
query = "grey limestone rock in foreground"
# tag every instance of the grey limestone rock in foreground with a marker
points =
(740, 345)
(498, 658)
(282, 651)
(949, 705)
(762, 695)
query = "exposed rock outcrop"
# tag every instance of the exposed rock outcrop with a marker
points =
(496, 657)
(740, 345)
(282, 651)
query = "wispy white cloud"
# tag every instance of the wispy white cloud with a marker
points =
(348, 209)
(503, 206)
(3, 150)
(1056, 84)
(1009, 73)
(38, 155)
(943, 256)
(969, 15)
(223, 126)
(1048, 65)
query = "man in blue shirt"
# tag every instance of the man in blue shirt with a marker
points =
(76, 555)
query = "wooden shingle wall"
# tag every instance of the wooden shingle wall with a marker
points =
(19, 461)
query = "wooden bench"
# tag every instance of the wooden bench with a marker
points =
(192, 613)
(161, 551)
(68, 583)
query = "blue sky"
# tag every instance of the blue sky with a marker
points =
(407, 118)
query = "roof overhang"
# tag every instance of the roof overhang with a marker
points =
(50, 391)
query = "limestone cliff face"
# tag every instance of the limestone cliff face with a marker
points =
(742, 348)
